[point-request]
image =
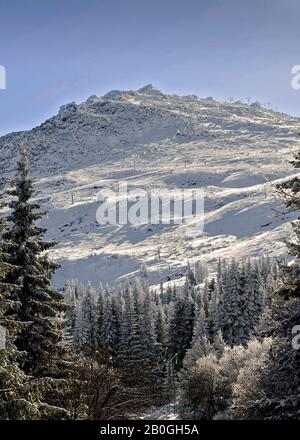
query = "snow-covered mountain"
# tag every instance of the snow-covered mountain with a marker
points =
(152, 140)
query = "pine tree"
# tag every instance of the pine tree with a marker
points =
(153, 353)
(109, 332)
(190, 276)
(241, 300)
(15, 399)
(161, 326)
(182, 324)
(201, 272)
(130, 351)
(40, 305)
(254, 304)
(230, 315)
(85, 328)
(72, 300)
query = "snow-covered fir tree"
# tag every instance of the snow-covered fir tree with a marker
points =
(34, 304)
(130, 351)
(182, 322)
(85, 327)
(15, 399)
(109, 331)
(241, 299)
(40, 305)
(201, 271)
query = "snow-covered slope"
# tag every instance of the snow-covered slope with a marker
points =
(152, 140)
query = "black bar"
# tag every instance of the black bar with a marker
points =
(89, 430)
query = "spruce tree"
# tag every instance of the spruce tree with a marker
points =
(39, 304)
(71, 299)
(190, 276)
(15, 399)
(152, 351)
(109, 332)
(85, 329)
(128, 341)
(182, 324)
(241, 300)
(161, 327)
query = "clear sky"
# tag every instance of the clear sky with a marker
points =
(57, 51)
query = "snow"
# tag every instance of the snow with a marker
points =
(165, 412)
(151, 140)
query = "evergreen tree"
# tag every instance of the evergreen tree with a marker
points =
(72, 300)
(182, 325)
(230, 316)
(130, 351)
(36, 308)
(190, 276)
(85, 329)
(201, 272)
(109, 331)
(152, 351)
(162, 332)
(40, 305)
(15, 400)
(241, 300)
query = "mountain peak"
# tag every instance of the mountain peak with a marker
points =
(150, 89)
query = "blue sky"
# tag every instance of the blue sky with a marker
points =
(57, 51)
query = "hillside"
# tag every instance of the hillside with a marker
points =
(152, 140)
